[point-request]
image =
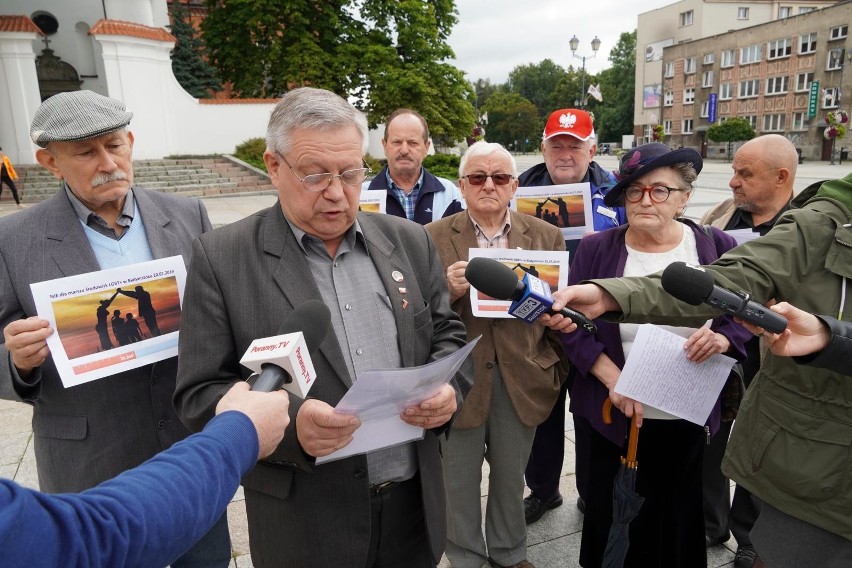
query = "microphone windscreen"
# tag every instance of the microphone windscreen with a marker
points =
(688, 284)
(311, 318)
(492, 278)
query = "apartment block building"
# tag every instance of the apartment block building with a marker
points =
(688, 21)
(783, 77)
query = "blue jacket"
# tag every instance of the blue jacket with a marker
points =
(147, 516)
(438, 198)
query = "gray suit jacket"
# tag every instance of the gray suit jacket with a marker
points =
(92, 432)
(244, 280)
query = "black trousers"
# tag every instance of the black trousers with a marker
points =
(669, 530)
(4, 178)
(398, 529)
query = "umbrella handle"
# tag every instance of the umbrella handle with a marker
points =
(633, 439)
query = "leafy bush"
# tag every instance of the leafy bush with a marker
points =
(251, 151)
(443, 165)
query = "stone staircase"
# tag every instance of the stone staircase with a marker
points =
(200, 177)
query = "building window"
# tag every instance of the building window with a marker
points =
(667, 127)
(689, 65)
(807, 43)
(779, 48)
(688, 96)
(707, 79)
(709, 58)
(647, 133)
(750, 54)
(777, 85)
(726, 91)
(829, 97)
(669, 69)
(748, 89)
(835, 59)
(705, 109)
(803, 10)
(773, 123)
(727, 58)
(742, 13)
(839, 32)
(800, 121)
(785, 12)
(686, 18)
(751, 119)
(803, 81)
(668, 98)
(687, 126)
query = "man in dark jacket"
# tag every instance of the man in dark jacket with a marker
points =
(568, 145)
(413, 192)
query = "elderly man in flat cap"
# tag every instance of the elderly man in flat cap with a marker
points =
(97, 220)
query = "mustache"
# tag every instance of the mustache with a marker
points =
(101, 179)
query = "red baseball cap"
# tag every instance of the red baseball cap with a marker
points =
(576, 122)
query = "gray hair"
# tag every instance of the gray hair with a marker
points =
(307, 107)
(486, 149)
(687, 174)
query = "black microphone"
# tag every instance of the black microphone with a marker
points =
(530, 297)
(694, 285)
(311, 318)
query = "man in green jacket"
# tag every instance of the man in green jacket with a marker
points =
(792, 441)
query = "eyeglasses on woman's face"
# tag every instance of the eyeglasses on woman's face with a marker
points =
(657, 193)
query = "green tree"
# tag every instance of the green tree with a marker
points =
(567, 91)
(511, 119)
(614, 116)
(189, 65)
(484, 88)
(267, 47)
(735, 129)
(401, 56)
(537, 82)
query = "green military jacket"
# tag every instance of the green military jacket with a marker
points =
(792, 442)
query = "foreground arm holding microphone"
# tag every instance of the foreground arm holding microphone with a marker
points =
(792, 438)
(151, 514)
(815, 340)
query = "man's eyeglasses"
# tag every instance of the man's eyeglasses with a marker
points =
(480, 179)
(319, 182)
(657, 193)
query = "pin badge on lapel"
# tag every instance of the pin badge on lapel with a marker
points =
(403, 290)
(404, 304)
(397, 276)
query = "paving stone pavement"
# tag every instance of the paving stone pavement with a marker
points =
(554, 541)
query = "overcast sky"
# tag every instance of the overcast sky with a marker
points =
(492, 37)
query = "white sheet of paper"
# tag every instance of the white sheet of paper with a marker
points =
(82, 350)
(548, 265)
(743, 235)
(567, 206)
(658, 373)
(379, 396)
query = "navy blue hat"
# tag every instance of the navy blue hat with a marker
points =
(643, 159)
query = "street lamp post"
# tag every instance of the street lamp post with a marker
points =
(575, 43)
(842, 55)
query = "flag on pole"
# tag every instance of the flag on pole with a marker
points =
(595, 91)
(484, 118)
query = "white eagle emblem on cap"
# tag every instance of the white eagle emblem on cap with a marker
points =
(567, 120)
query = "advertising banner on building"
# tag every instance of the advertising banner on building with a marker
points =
(812, 102)
(711, 112)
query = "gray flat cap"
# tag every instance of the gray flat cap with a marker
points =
(77, 115)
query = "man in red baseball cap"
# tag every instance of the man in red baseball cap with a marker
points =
(568, 145)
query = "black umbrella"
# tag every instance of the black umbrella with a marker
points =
(625, 501)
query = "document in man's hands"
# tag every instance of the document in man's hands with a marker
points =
(657, 373)
(379, 396)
